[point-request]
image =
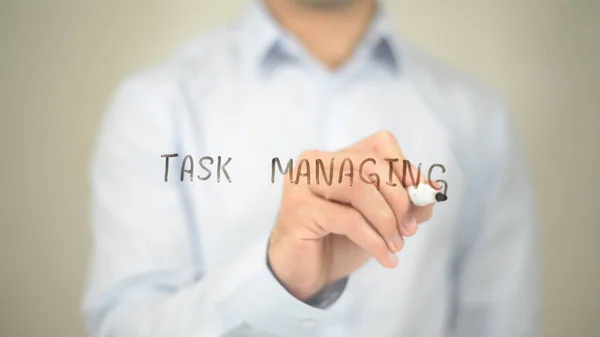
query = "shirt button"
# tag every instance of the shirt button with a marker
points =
(308, 323)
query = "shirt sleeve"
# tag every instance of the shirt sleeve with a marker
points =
(497, 282)
(147, 276)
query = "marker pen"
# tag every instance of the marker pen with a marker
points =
(424, 194)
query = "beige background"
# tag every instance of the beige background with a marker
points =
(60, 60)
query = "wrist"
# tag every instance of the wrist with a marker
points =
(293, 268)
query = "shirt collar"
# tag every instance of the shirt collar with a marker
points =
(262, 40)
(380, 42)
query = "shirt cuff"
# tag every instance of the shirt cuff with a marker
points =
(263, 303)
(328, 296)
(325, 297)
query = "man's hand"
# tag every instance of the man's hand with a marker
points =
(323, 233)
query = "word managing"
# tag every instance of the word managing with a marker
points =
(303, 170)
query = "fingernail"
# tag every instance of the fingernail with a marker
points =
(397, 242)
(410, 224)
(393, 259)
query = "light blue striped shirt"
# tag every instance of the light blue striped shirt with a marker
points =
(188, 258)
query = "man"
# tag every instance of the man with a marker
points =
(209, 245)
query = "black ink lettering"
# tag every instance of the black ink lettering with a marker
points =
(350, 175)
(183, 166)
(167, 156)
(321, 167)
(445, 185)
(431, 170)
(374, 177)
(439, 180)
(303, 162)
(222, 168)
(391, 161)
(206, 168)
(406, 165)
(289, 168)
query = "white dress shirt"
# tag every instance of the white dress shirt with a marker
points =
(188, 258)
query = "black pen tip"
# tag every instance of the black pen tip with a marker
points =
(439, 197)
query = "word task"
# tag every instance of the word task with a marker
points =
(187, 167)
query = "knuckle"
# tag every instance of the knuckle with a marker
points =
(388, 223)
(386, 136)
(378, 246)
(353, 193)
(366, 167)
(354, 218)
(309, 154)
(360, 187)
(327, 192)
(403, 204)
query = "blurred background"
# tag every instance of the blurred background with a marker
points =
(60, 61)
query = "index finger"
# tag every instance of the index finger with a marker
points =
(386, 145)
(382, 142)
